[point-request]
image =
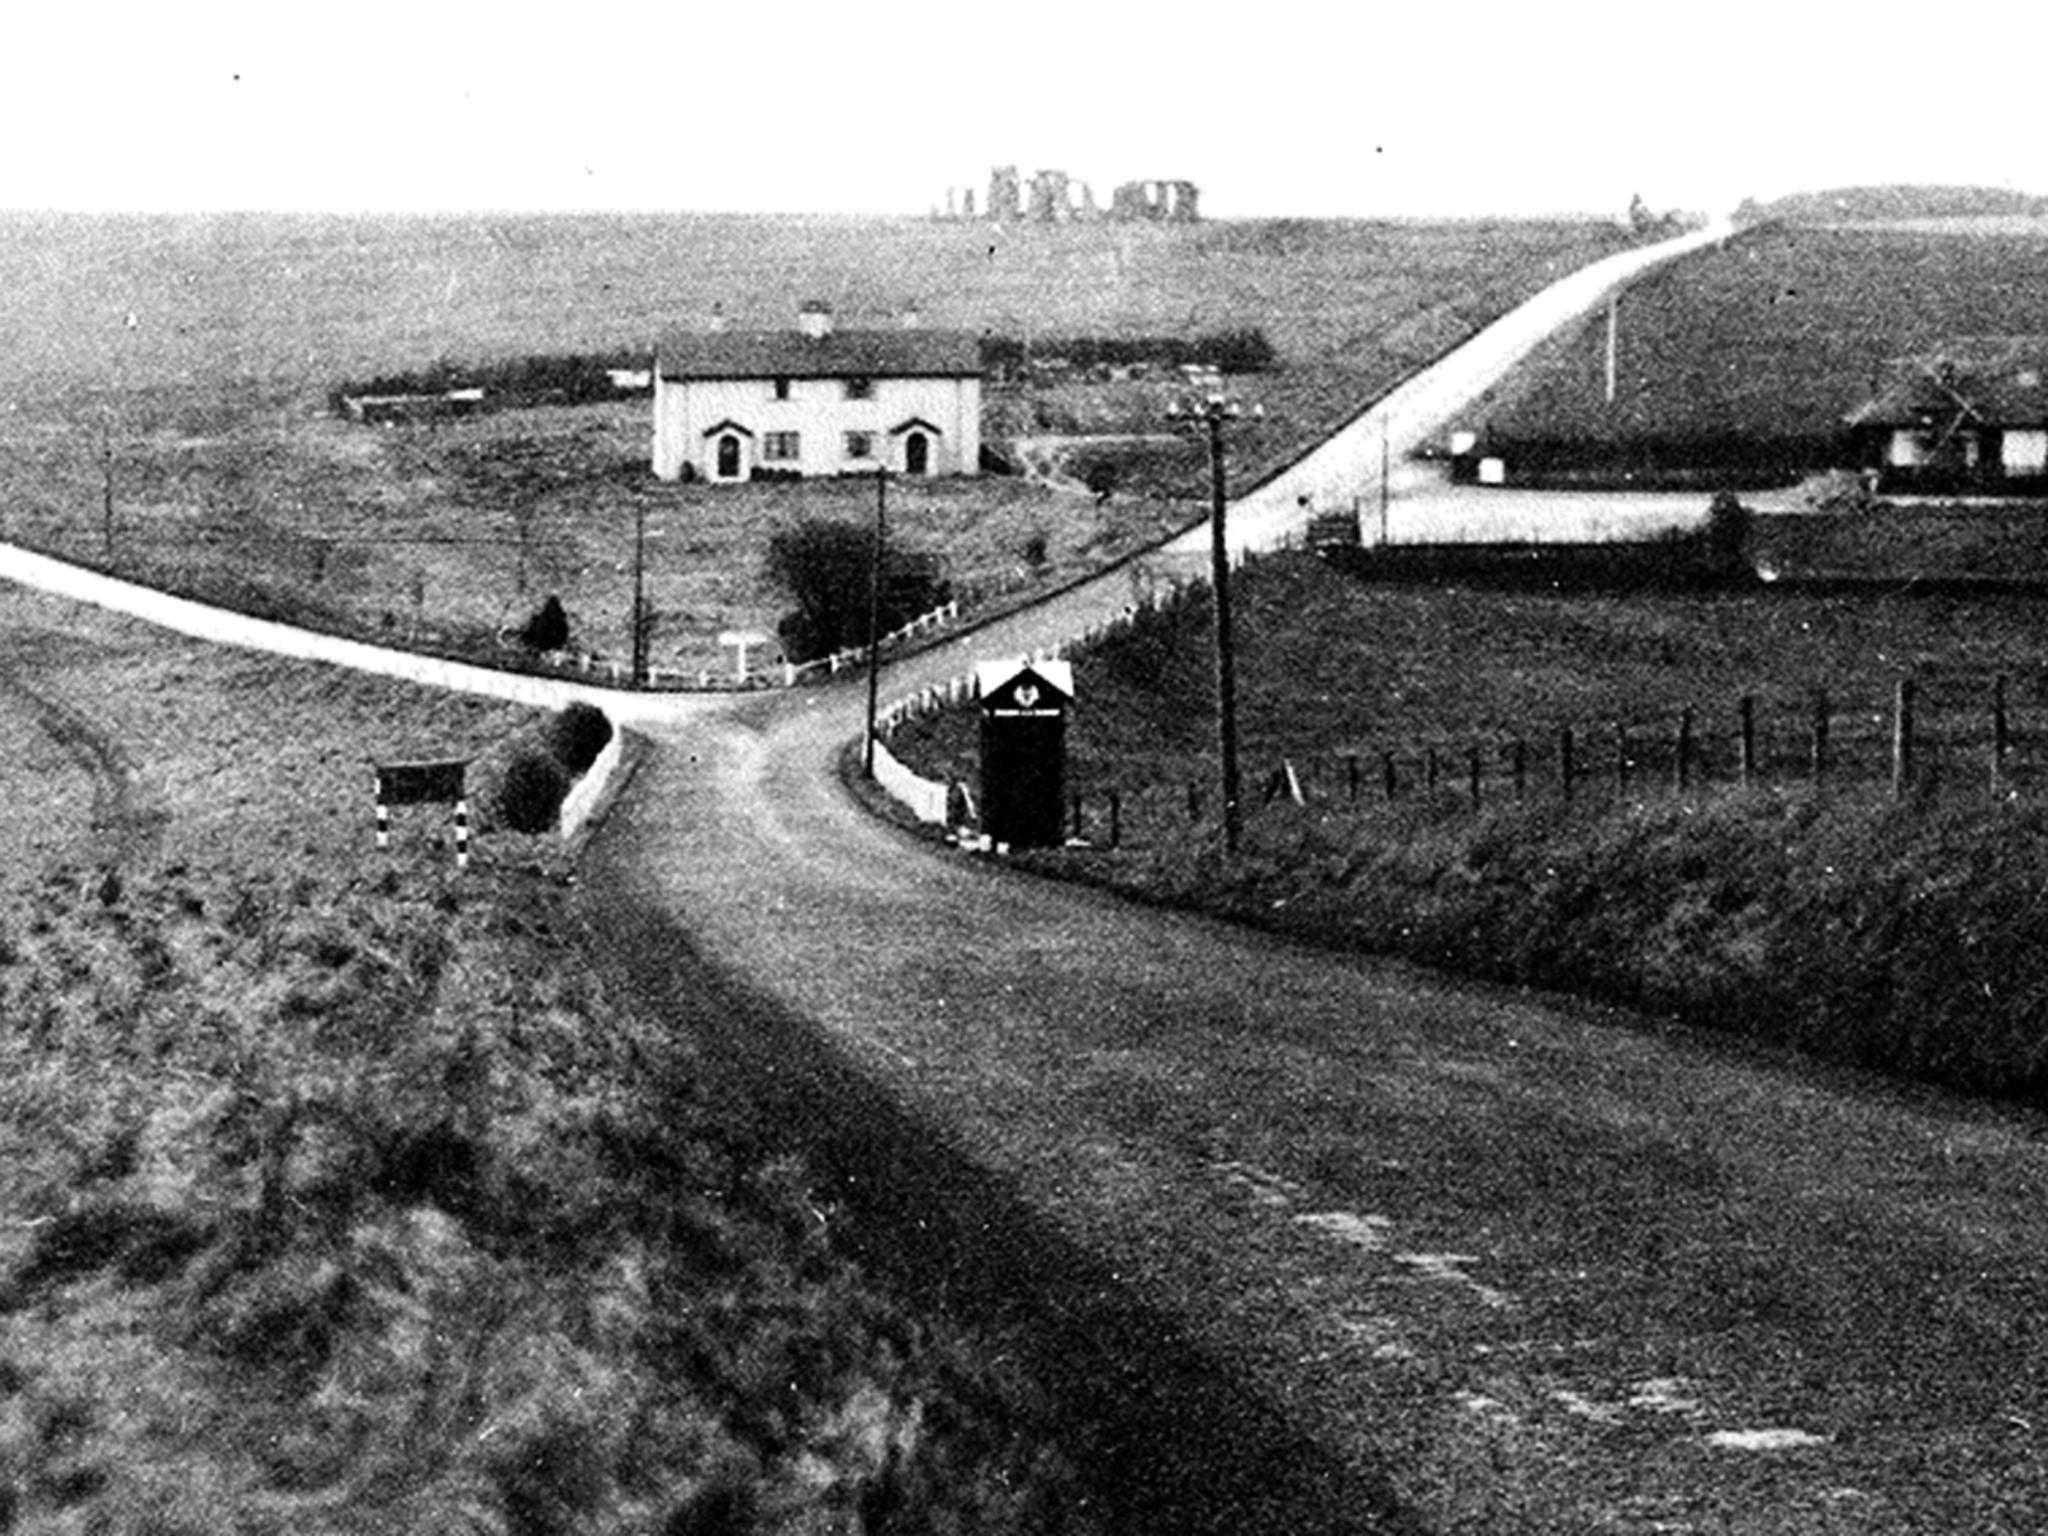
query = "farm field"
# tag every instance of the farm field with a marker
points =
(176, 371)
(338, 1194)
(1786, 898)
(1744, 359)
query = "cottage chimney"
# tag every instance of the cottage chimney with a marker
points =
(718, 321)
(912, 317)
(814, 318)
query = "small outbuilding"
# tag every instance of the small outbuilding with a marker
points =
(1024, 707)
(1972, 417)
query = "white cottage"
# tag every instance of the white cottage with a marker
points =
(816, 401)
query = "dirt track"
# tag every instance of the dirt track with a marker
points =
(123, 823)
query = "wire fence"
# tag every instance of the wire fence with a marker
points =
(1948, 738)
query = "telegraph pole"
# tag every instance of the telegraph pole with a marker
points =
(639, 594)
(1215, 413)
(867, 763)
(1613, 343)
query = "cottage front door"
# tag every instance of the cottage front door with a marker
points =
(728, 457)
(917, 454)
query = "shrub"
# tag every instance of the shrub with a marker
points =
(530, 795)
(577, 735)
(548, 629)
(824, 566)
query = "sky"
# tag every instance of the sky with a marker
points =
(1276, 108)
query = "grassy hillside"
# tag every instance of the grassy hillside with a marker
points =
(1900, 934)
(1749, 355)
(204, 420)
(338, 1193)
(1897, 201)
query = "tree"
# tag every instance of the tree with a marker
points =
(548, 629)
(823, 567)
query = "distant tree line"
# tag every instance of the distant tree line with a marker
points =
(561, 378)
(1242, 349)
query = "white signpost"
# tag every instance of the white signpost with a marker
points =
(742, 641)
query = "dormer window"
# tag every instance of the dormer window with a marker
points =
(860, 389)
(782, 389)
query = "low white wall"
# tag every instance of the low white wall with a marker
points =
(925, 798)
(585, 793)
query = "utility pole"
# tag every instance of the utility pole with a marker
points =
(639, 647)
(1386, 477)
(1213, 412)
(1613, 342)
(107, 485)
(867, 762)
(1216, 412)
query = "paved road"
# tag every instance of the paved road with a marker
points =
(1264, 1191)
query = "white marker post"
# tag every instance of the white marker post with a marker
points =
(742, 641)
(435, 783)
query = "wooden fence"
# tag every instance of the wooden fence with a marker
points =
(1947, 736)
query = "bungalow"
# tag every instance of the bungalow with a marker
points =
(1974, 417)
(731, 405)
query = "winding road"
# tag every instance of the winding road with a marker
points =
(1303, 1241)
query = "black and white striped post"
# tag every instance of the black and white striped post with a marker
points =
(435, 783)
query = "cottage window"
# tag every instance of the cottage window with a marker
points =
(781, 447)
(782, 389)
(860, 445)
(860, 389)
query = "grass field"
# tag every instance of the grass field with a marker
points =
(1760, 347)
(337, 1193)
(1841, 920)
(204, 421)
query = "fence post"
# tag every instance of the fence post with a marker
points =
(1075, 802)
(1820, 736)
(1518, 765)
(2001, 737)
(1681, 768)
(1351, 775)
(1902, 737)
(1748, 709)
(1564, 761)
(1194, 800)
(1387, 773)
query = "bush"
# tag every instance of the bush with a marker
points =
(577, 735)
(530, 795)
(548, 629)
(824, 566)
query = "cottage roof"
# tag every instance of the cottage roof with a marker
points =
(2003, 386)
(898, 354)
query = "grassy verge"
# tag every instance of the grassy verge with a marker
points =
(338, 1191)
(1901, 934)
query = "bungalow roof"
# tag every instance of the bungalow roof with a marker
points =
(1994, 386)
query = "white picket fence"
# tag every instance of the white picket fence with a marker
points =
(617, 674)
